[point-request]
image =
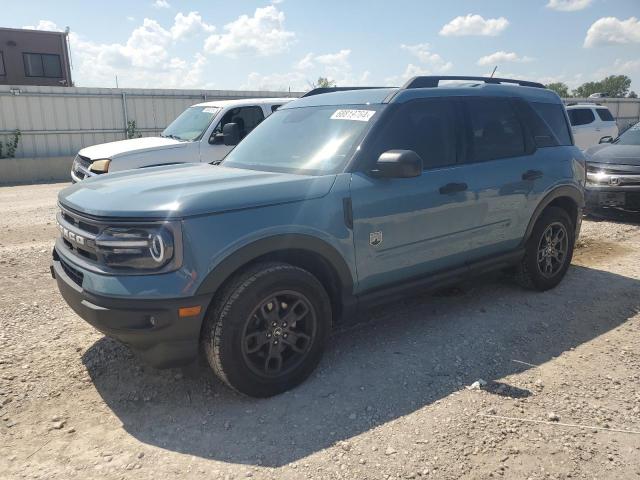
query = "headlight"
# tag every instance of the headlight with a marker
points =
(100, 166)
(148, 248)
(598, 178)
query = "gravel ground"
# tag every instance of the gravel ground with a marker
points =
(390, 399)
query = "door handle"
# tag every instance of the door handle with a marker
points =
(532, 175)
(453, 188)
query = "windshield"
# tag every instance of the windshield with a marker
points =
(630, 137)
(309, 140)
(191, 123)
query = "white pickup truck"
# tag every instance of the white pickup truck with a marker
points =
(195, 136)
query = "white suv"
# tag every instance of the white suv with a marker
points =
(195, 136)
(590, 123)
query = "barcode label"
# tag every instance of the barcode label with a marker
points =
(358, 115)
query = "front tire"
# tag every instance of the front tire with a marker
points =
(267, 330)
(548, 251)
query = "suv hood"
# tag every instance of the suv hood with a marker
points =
(184, 190)
(135, 145)
(616, 154)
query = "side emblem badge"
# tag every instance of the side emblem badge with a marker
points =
(375, 238)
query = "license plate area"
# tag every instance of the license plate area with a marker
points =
(612, 199)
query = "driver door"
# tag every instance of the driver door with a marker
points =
(409, 227)
(246, 117)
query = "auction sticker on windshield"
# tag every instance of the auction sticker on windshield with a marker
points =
(210, 110)
(358, 115)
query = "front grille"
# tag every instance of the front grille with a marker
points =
(84, 161)
(75, 275)
(621, 175)
(79, 234)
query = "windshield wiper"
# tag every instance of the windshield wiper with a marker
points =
(216, 162)
(174, 137)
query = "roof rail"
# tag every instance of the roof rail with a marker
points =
(433, 81)
(319, 90)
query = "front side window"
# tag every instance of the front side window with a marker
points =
(191, 123)
(425, 126)
(494, 130)
(630, 137)
(307, 140)
(581, 116)
(605, 115)
(42, 65)
(247, 118)
(2, 70)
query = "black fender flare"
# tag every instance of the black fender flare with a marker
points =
(569, 191)
(278, 244)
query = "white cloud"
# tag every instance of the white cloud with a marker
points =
(334, 66)
(568, 5)
(432, 61)
(161, 4)
(142, 61)
(46, 25)
(262, 34)
(619, 67)
(430, 64)
(189, 25)
(474, 25)
(502, 57)
(611, 31)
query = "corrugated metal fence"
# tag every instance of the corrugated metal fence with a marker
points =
(58, 121)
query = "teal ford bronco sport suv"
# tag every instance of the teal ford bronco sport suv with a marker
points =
(336, 200)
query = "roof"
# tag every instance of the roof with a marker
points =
(243, 101)
(347, 97)
(585, 104)
(399, 95)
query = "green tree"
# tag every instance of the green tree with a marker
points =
(612, 86)
(632, 94)
(324, 82)
(562, 89)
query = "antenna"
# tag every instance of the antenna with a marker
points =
(494, 71)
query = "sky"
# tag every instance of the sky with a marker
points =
(288, 44)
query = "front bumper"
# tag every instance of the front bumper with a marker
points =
(151, 328)
(626, 197)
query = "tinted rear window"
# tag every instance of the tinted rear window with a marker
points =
(495, 130)
(581, 116)
(552, 114)
(605, 115)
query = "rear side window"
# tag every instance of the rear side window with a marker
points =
(426, 126)
(605, 115)
(552, 114)
(275, 107)
(495, 130)
(581, 116)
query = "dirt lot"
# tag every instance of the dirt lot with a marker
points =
(388, 401)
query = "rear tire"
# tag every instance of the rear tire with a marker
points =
(548, 251)
(267, 330)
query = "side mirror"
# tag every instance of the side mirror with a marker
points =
(231, 134)
(398, 164)
(607, 139)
